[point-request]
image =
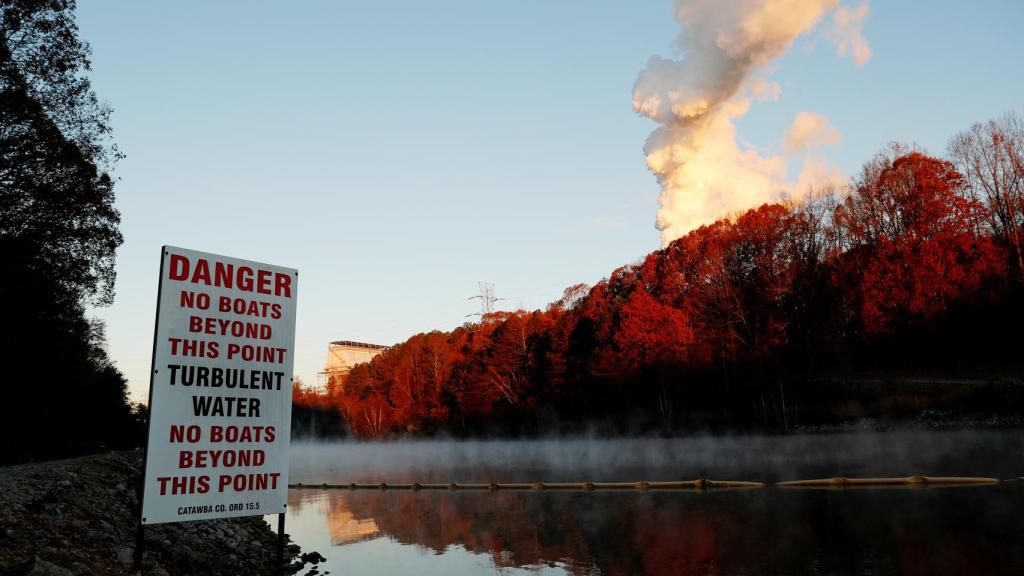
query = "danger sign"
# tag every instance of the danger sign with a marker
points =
(220, 393)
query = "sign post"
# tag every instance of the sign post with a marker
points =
(220, 389)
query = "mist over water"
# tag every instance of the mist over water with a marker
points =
(766, 531)
(995, 453)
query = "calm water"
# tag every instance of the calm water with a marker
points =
(952, 530)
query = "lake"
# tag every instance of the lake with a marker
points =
(771, 530)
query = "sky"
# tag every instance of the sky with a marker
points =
(399, 152)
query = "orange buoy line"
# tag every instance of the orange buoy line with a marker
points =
(700, 484)
(841, 482)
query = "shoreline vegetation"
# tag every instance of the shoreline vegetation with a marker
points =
(314, 425)
(895, 296)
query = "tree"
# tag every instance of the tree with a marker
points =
(58, 235)
(915, 246)
(991, 158)
(652, 339)
(56, 197)
(737, 320)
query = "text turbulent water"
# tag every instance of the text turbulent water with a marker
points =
(951, 530)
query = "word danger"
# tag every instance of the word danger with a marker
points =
(235, 351)
(223, 275)
(174, 485)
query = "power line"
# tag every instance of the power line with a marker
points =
(487, 299)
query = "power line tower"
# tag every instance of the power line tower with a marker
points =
(487, 299)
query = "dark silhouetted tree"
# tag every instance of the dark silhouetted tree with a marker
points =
(58, 236)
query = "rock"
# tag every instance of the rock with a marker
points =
(49, 509)
(312, 558)
(44, 568)
(125, 555)
(90, 528)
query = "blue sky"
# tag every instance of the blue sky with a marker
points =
(397, 153)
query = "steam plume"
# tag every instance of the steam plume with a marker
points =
(845, 32)
(704, 170)
(811, 130)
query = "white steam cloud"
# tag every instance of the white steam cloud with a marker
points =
(810, 130)
(807, 134)
(845, 32)
(704, 169)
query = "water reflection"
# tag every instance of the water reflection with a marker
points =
(345, 528)
(975, 530)
(913, 531)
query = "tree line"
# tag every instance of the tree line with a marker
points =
(58, 236)
(897, 294)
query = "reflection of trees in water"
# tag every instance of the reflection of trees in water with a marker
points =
(585, 533)
(931, 531)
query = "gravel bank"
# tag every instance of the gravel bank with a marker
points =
(77, 516)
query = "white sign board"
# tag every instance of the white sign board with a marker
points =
(220, 394)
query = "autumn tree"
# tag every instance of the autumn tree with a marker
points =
(693, 274)
(990, 156)
(734, 322)
(653, 341)
(914, 245)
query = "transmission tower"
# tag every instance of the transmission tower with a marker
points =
(487, 299)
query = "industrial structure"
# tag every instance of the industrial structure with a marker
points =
(487, 299)
(342, 356)
(345, 528)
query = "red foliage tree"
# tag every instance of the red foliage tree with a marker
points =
(651, 334)
(914, 242)
(907, 243)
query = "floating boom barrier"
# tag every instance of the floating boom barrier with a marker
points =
(841, 482)
(700, 484)
(838, 482)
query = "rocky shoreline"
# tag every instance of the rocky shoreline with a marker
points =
(75, 517)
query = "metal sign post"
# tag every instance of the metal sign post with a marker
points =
(280, 544)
